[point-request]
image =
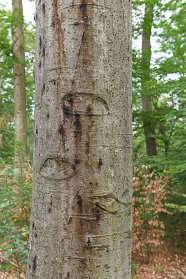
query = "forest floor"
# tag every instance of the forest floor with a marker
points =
(161, 266)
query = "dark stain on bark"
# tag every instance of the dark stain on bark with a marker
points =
(83, 7)
(89, 111)
(34, 264)
(67, 111)
(48, 115)
(40, 42)
(61, 131)
(39, 64)
(33, 226)
(84, 16)
(97, 215)
(43, 52)
(88, 242)
(100, 163)
(36, 130)
(43, 88)
(50, 208)
(70, 101)
(78, 127)
(35, 235)
(87, 150)
(43, 9)
(76, 163)
(98, 212)
(80, 203)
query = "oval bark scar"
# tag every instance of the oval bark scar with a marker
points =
(57, 168)
(83, 100)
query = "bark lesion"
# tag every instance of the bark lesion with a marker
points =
(108, 202)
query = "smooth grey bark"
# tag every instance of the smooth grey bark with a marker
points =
(81, 202)
(19, 84)
(149, 130)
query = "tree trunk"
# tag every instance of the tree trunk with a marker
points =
(81, 204)
(149, 130)
(19, 83)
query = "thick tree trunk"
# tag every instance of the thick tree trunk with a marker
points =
(149, 130)
(19, 83)
(81, 205)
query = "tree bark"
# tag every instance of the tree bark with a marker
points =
(149, 130)
(81, 204)
(19, 83)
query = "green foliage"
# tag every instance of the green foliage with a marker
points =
(15, 197)
(6, 83)
(166, 88)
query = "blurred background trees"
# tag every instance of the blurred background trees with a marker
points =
(159, 116)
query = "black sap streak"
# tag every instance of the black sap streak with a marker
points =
(78, 127)
(80, 203)
(57, 169)
(88, 104)
(34, 264)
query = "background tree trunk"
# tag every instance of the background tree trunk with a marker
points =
(145, 77)
(19, 83)
(81, 206)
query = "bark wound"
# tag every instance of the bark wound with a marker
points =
(56, 169)
(34, 264)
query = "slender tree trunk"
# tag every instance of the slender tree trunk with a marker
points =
(19, 83)
(146, 100)
(81, 205)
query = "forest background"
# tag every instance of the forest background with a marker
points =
(159, 117)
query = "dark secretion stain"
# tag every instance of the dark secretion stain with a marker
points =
(34, 265)
(80, 202)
